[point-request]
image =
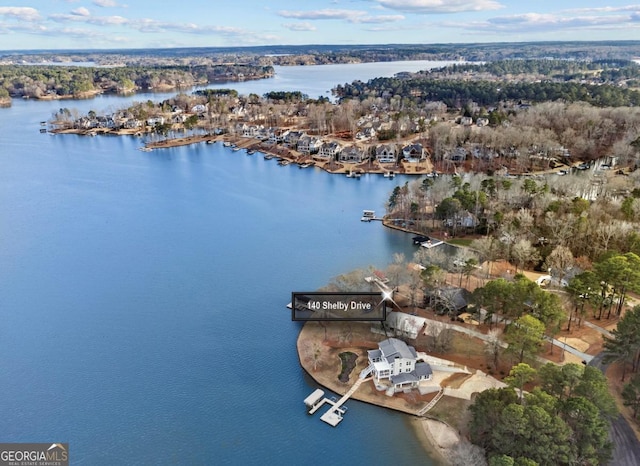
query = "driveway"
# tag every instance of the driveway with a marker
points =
(626, 447)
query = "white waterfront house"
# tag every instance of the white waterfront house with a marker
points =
(396, 362)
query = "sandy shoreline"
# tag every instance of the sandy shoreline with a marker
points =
(436, 438)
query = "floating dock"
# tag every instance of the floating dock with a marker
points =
(430, 244)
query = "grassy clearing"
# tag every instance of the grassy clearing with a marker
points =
(460, 242)
(453, 411)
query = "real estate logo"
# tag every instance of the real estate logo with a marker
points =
(34, 454)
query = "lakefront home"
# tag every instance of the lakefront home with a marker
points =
(308, 145)
(291, 138)
(395, 362)
(328, 151)
(352, 154)
(386, 153)
(413, 152)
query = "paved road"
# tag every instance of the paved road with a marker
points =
(560, 344)
(626, 447)
(604, 331)
(570, 349)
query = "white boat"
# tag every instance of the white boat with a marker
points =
(226, 144)
(368, 215)
(389, 174)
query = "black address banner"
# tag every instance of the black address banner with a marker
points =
(338, 306)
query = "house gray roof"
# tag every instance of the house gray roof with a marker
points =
(374, 353)
(452, 298)
(393, 348)
(415, 148)
(404, 377)
(385, 149)
(423, 369)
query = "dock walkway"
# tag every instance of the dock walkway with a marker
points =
(432, 403)
(333, 416)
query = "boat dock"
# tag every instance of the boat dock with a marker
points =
(334, 415)
(430, 244)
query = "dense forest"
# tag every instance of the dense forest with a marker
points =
(563, 421)
(566, 70)
(40, 81)
(603, 83)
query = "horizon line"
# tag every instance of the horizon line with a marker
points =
(302, 46)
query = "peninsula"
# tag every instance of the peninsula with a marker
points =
(416, 123)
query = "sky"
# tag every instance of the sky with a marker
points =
(122, 24)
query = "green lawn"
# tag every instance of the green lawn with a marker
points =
(460, 242)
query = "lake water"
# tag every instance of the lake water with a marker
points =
(143, 294)
(318, 80)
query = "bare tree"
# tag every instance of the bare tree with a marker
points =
(493, 346)
(561, 227)
(465, 453)
(312, 352)
(397, 271)
(489, 249)
(415, 284)
(560, 261)
(524, 252)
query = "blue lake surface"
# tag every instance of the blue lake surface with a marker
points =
(142, 298)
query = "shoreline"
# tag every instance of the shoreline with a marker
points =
(292, 156)
(93, 93)
(436, 437)
(424, 167)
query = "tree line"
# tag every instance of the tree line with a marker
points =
(36, 81)
(533, 222)
(563, 420)
(605, 69)
(456, 93)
